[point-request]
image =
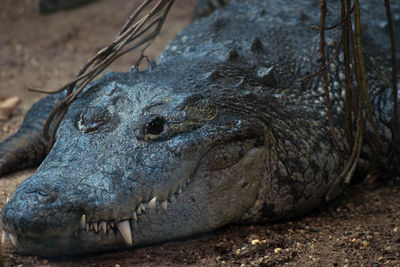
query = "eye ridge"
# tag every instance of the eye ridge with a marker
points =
(92, 119)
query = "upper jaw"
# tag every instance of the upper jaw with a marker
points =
(84, 232)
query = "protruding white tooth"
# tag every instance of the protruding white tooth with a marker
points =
(152, 203)
(142, 207)
(94, 226)
(164, 204)
(103, 226)
(171, 198)
(82, 224)
(134, 216)
(13, 239)
(125, 230)
(8, 199)
(3, 236)
(180, 190)
(87, 227)
(112, 224)
(138, 211)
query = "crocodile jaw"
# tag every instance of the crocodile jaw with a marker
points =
(182, 214)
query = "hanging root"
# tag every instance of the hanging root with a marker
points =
(136, 32)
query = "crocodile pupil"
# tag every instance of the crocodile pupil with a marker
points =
(155, 127)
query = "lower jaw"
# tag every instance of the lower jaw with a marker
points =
(79, 243)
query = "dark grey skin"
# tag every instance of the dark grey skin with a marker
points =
(217, 131)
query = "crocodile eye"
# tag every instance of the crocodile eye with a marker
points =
(151, 127)
(156, 126)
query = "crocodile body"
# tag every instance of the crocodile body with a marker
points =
(217, 131)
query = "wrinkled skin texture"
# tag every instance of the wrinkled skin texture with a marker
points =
(218, 131)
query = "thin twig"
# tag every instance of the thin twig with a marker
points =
(341, 22)
(133, 29)
(396, 127)
(323, 68)
(324, 74)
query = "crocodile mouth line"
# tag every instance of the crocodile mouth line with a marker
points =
(111, 226)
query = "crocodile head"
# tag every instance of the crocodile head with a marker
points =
(137, 164)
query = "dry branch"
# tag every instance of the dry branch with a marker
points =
(136, 32)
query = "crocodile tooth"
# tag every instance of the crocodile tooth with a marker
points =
(112, 224)
(94, 226)
(152, 203)
(180, 191)
(138, 211)
(125, 230)
(87, 227)
(103, 226)
(3, 236)
(134, 216)
(8, 199)
(142, 206)
(13, 239)
(171, 198)
(164, 204)
(82, 224)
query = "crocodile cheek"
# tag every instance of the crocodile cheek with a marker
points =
(197, 208)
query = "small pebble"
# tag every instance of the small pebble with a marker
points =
(365, 244)
(396, 229)
(117, 265)
(255, 241)
(45, 262)
(278, 250)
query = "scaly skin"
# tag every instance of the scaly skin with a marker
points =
(218, 131)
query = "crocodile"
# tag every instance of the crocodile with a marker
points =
(217, 130)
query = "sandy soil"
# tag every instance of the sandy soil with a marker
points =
(362, 228)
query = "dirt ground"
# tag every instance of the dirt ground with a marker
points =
(362, 228)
